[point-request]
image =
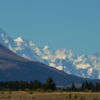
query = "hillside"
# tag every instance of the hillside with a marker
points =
(14, 67)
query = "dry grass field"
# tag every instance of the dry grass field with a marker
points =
(21, 95)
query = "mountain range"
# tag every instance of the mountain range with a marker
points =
(86, 66)
(16, 68)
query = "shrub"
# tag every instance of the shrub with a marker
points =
(30, 92)
(70, 96)
(2, 92)
(10, 92)
(95, 99)
(75, 97)
(82, 98)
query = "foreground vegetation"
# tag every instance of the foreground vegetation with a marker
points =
(31, 95)
(35, 90)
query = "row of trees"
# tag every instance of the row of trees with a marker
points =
(48, 85)
(33, 85)
(90, 86)
(86, 86)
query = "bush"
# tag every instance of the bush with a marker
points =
(2, 92)
(27, 90)
(95, 99)
(33, 98)
(70, 96)
(10, 92)
(9, 97)
(30, 92)
(82, 98)
(75, 97)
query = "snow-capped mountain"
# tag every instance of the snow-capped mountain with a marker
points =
(62, 59)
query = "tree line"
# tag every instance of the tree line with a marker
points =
(49, 85)
(85, 86)
(90, 86)
(32, 85)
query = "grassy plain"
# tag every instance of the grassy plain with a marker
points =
(22, 95)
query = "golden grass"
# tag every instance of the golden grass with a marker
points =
(22, 95)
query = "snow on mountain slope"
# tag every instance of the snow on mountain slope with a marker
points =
(62, 59)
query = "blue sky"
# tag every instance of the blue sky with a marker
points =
(70, 24)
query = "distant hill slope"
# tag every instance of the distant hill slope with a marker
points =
(14, 67)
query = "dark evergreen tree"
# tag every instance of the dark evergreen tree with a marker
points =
(73, 88)
(85, 86)
(91, 86)
(97, 87)
(31, 85)
(50, 85)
